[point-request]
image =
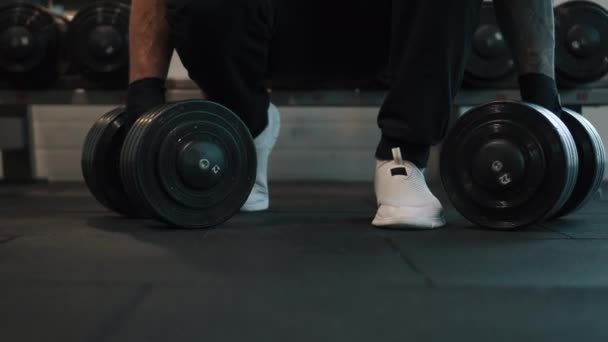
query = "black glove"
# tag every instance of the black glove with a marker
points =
(143, 95)
(541, 90)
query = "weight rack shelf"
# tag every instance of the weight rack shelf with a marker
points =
(582, 97)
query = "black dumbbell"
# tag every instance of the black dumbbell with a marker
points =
(491, 61)
(190, 164)
(591, 161)
(507, 165)
(32, 45)
(101, 162)
(99, 43)
(581, 49)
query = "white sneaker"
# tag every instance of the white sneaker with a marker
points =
(404, 198)
(259, 197)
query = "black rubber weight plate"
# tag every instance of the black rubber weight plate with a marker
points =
(100, 163)
(592, 161)
(152, 158)
(99, 41)
(581, 42)
(548, 175)
(490, 58)
(32, 28)
(31, 44)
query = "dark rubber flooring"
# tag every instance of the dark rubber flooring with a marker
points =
(312, 269)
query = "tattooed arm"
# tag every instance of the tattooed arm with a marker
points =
(529, 28)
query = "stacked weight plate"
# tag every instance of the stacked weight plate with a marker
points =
(190, 164)
(99, 43)
(491, 63)
(507, 165)
(581, 44)
(32, 45)
(100, 162)
(592, 161)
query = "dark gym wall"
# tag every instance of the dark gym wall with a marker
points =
(335, 43)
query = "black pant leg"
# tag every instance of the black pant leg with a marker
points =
(430, 47)
(224, 46)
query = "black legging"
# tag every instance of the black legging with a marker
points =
(224, 45)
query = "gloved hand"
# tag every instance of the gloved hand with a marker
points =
(142, 96)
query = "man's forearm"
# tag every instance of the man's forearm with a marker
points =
(530, 31)
(150, 45)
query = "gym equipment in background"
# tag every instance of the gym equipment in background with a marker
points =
(32, 45)
(99, 43)
(491, 63)
(581, 44)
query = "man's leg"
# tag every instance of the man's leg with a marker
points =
(529, 27)
(430, 47)
(224, 46)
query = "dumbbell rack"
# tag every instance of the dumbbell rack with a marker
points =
(358, 98)
(16, 124)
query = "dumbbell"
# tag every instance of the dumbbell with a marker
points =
(190, 164)
(99, 42)
(581, 42)
(491, 61)
(507, 165)
(32, 45)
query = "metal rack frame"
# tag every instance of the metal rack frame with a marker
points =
(319, 98)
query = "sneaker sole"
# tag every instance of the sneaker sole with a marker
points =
(408, 218)
(256, 206)
(409, 223)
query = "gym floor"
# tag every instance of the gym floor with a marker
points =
(311, 269)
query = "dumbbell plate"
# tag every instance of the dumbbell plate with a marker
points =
(24, 29)
(506, 165)
(98, 38)
(592, 161)
(490, 58)
(581, 42)
(192, 164)
(100, 163)
(31, 41)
